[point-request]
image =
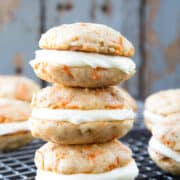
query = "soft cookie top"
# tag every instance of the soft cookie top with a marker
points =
(164, 102)
(84, 55)
(17, 87)
(56, 97)
(80, 115)
(87, 37)
(12, 110)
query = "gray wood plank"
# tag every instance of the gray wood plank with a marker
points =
(20, 28)
(121, 15)
(57, 12)
(19, 35)
(162, 45)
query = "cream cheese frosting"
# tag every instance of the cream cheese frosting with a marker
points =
(164, 150)
(129, 172)
(153, 117)
(79, 116)
(79, 59)
(7, 128)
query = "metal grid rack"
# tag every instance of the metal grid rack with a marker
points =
(19, 165)
(137, 141)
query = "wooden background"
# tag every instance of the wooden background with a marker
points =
(152, 25)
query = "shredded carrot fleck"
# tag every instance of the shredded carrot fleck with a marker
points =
(3, 119)
(76, 38)
(163, 138)
(4, 106)
(95, 75)
(23, 114)
(74, 107)
(92, 156)
(121, 40)
(61, 156)
(112, 166)
(114, 137)
(114, 106)
(22, 89)
(64, 102)
(83, 24)
(68, 72)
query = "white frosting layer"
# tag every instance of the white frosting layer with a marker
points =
(128, 172)
(164, 150)
(153, 117)
(78, 59)
(79, 116)
(7, 128)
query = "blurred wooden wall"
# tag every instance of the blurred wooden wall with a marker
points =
(153, 26)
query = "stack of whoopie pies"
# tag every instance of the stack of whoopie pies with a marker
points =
(162, 117)
(82, 113)
(15, 96)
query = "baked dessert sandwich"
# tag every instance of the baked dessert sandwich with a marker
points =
(15, 96)
(84, 55)
(161, 106)
(131, 101)
(108, 161)
(164, 146)
(14, 130)
(79, 115)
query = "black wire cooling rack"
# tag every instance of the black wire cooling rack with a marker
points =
(19, 165)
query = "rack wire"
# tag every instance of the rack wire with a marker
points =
(19, 165)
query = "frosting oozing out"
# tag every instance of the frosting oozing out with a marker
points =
(164, 150)
(129, 172)
(79, 116)
(7, 128)
(79, 59)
